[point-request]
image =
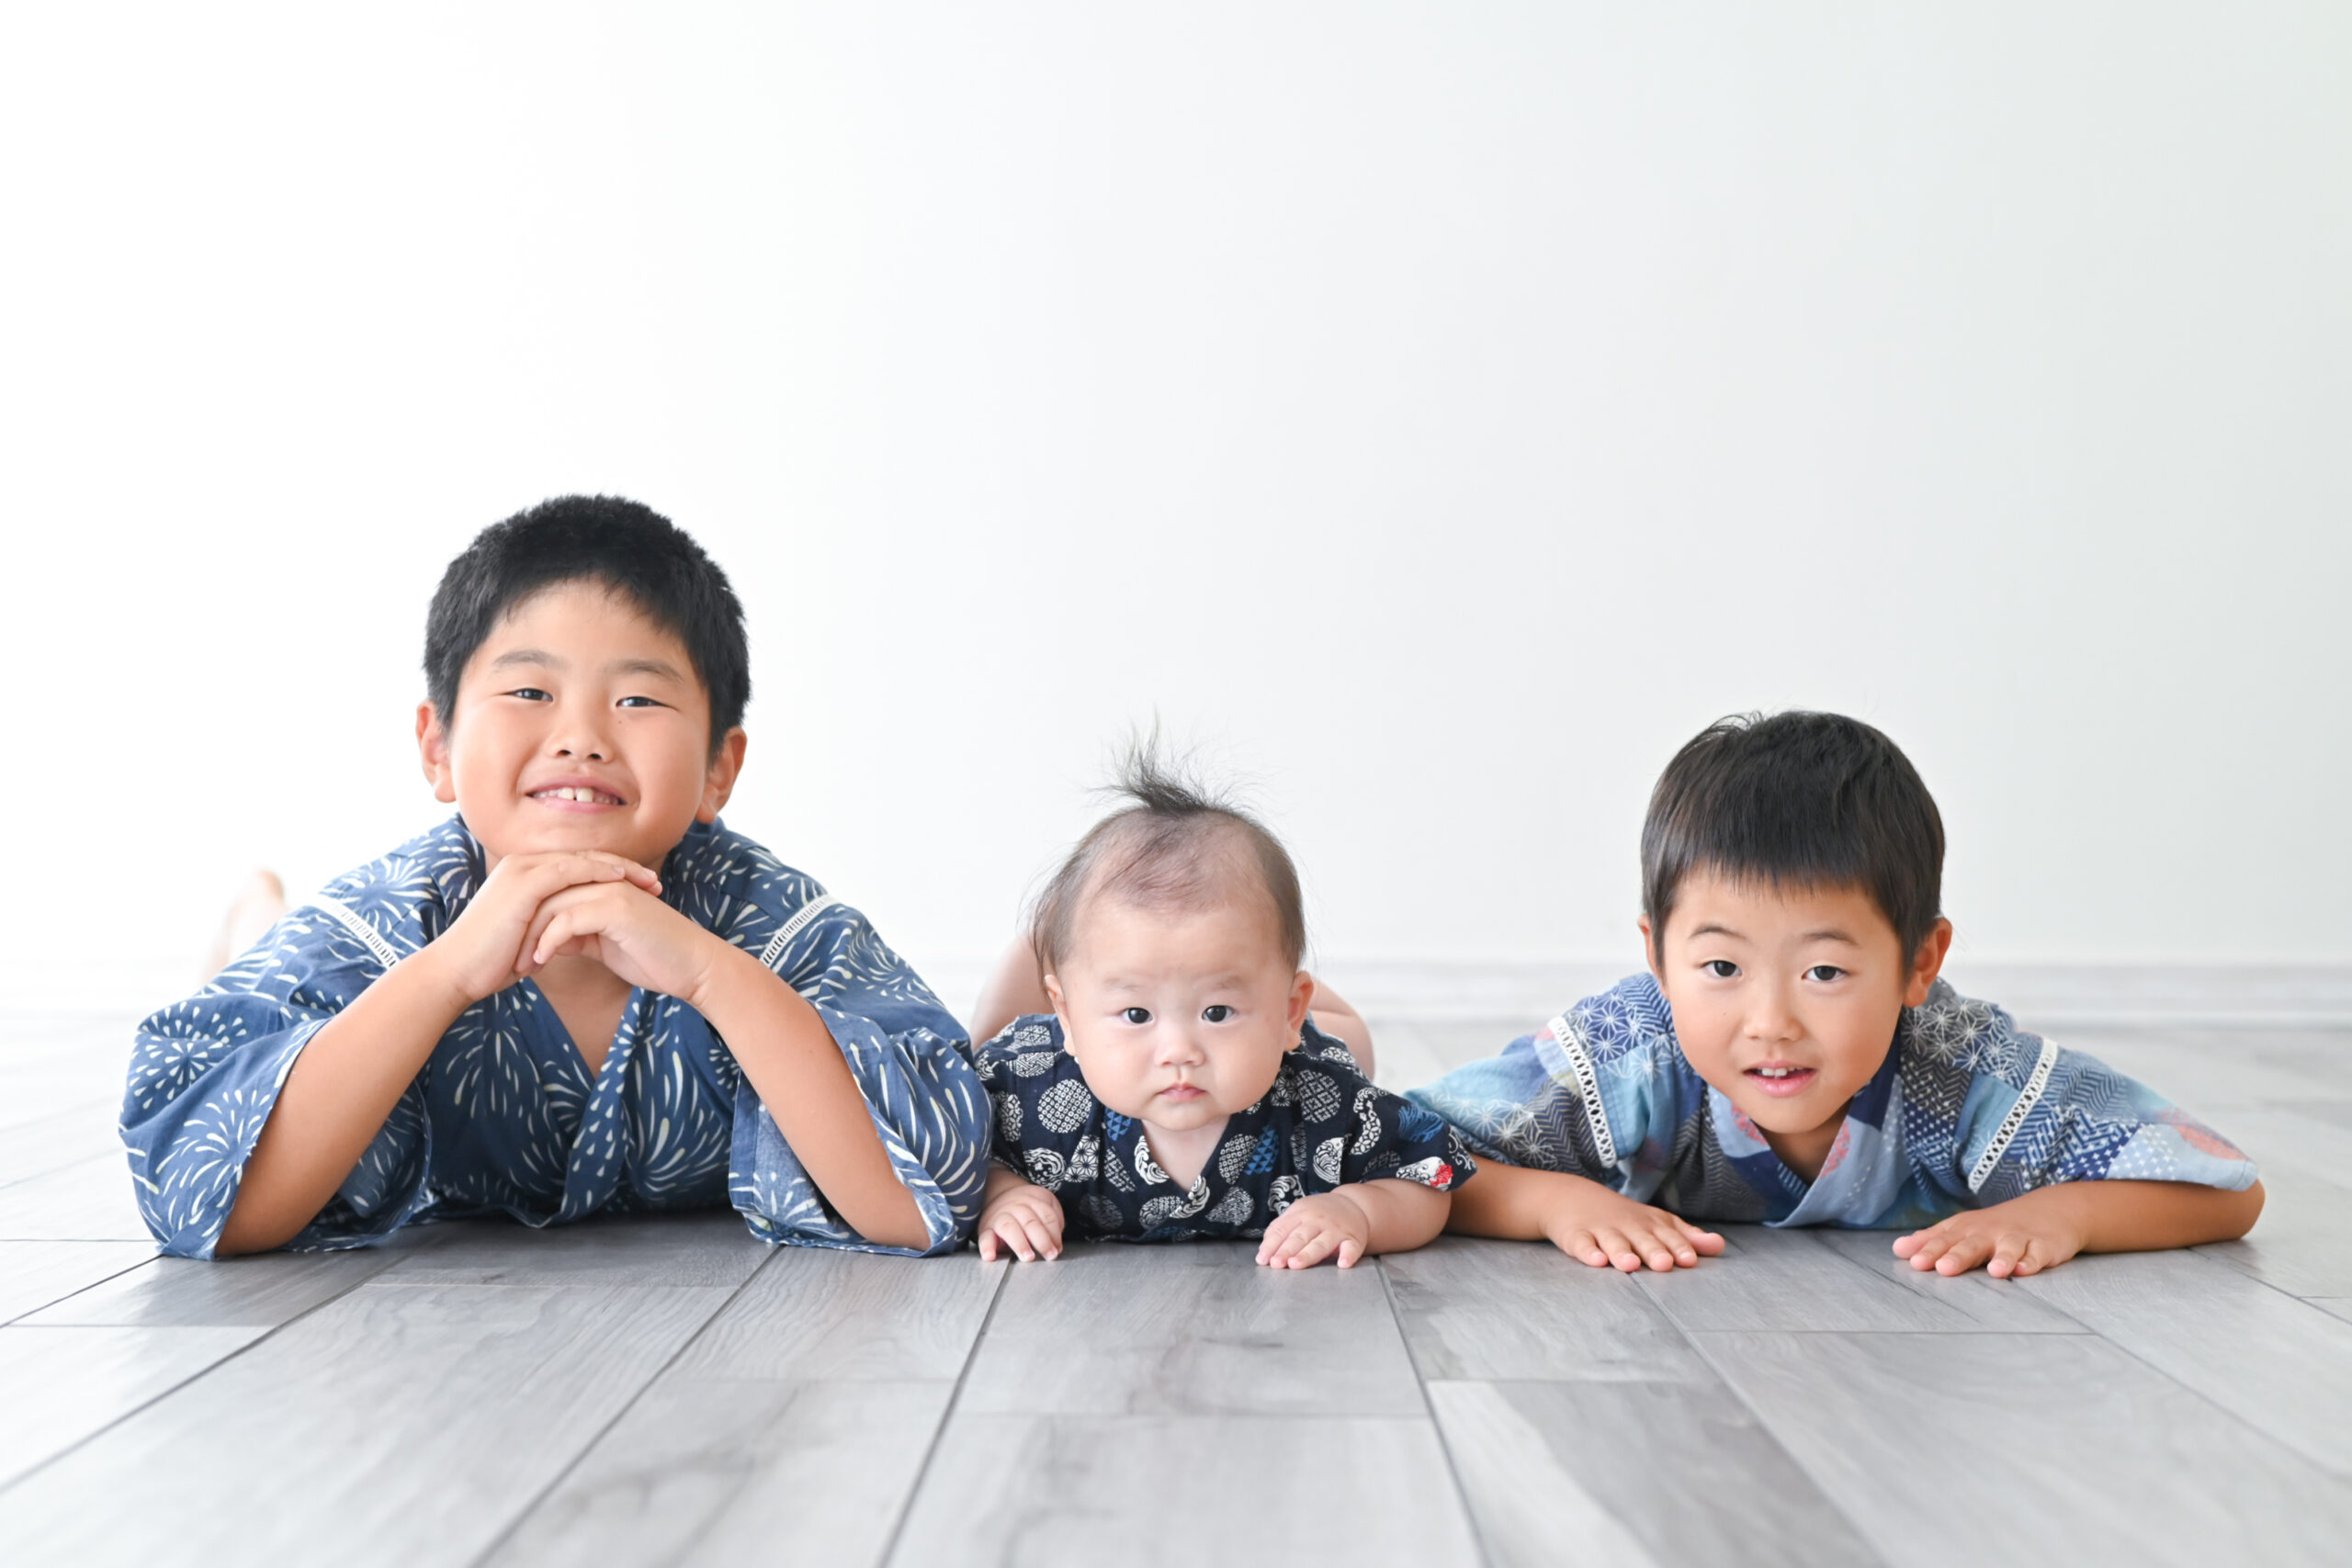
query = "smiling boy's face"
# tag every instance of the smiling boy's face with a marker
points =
(580, 725)
(1786, 1000)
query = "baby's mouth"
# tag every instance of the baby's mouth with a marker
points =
(1181, 1093)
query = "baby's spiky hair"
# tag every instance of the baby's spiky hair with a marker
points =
(1178, 846)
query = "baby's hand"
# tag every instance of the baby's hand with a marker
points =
(483, 949)
(1313, 1229)
(1607, 1229)
(1025, 1219)
(2011, 1238)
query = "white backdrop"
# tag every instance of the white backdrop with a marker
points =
(1434, 413)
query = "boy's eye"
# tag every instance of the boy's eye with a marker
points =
(1721, 968)
(530, 694)
(1825, 973)
(639, 701)
(1136, 1015)
(1216, 1013)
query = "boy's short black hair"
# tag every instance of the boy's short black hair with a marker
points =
(1798, 799)
(631, 548)
(1180, 845)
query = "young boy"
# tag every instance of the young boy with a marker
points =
(1791, 1056)
(580, 994)
(1178, 1089)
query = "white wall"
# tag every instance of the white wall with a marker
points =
(1438, 413)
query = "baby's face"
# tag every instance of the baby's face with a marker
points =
(1787, 1000)
(1178, 1017)
(581, 725)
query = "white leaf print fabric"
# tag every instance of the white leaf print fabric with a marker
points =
(506, 1118)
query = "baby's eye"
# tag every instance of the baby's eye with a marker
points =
(1217, 1013)
(1721, 968)
(1825, 973)
(530, 694)
(1136, 1015)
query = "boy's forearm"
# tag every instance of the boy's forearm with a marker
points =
(2147, 1216)
(343, 1086)
(1513, 1203)
(789, 1057)
(1013, 989)
(1333, 1015)
(1404, 1214)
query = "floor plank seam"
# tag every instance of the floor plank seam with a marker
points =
(84, 1290)
(1429, 1409)
(2227, 1415)
(954, 1398)
(2249, 1274)
(1821, 1483)
(539, 1498)
(264, 1337)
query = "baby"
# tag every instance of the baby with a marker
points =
(1792, 1056)
(1180, 1088)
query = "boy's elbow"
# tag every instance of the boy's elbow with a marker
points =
(2242, 1214)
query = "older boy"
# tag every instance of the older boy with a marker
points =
(580, 994)
(1791, 1056)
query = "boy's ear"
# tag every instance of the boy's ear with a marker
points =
(725, 767)
(1927, 964)
(433, 751)
(1649, 949)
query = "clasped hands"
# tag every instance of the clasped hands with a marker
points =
(534, 909)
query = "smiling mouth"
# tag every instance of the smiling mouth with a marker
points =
(577, 795)
(1780, 1080)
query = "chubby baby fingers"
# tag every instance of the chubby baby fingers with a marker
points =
(1309, 1244)
(1011, 1230)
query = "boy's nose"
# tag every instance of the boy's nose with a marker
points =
(1770, 1017)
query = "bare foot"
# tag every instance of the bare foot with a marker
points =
(259, 905)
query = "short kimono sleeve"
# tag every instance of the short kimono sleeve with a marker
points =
(1043, 1108)
(1594, 1092)
(1386, 1136)
(205, 1074)
(2047, 1115)
(906, 1052)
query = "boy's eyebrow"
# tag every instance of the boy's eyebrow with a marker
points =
(645, 666)
(1827, 934)
(526, 656)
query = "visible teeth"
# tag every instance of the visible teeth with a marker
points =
(574, 792)
(1776, 1072)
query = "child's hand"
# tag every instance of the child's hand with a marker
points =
(484, 949)
(1607, 1229)
(624, 927)
(1313, 1229)
(1023, 1218)
(2012, 1238)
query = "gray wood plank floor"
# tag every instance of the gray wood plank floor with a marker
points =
(670, 1391)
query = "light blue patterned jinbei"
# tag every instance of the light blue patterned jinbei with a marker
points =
(1967, 1111)
(506, 1118)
